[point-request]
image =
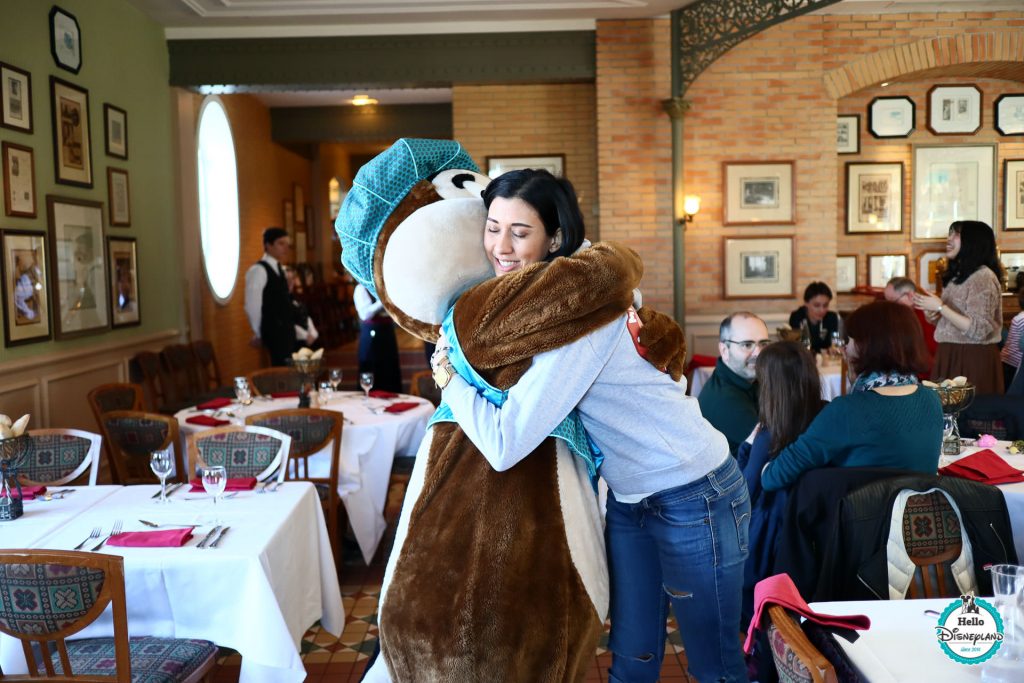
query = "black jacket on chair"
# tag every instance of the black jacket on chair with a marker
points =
(857, 566)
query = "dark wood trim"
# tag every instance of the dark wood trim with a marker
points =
(374, 123)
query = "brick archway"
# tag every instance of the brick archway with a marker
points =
(995, 54)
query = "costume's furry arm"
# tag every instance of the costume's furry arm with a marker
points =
(665, 341)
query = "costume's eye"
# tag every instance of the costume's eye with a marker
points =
(455, 183)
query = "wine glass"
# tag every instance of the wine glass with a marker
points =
(215, 480)
(325, 393)
(242, 391)
(161, 463)
(335, 377)
(366, 382)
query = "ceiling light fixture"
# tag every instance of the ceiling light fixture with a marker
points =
(363, 100)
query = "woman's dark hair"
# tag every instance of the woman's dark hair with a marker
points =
(789, 392)
(977, 249)
(817, 289)
(888, 338)
(554, 200)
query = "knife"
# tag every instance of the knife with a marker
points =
(219, 536)
(170, 489)
(206, 539)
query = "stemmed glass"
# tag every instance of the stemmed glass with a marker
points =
(242, 391)
(335, 377)
(161, 463)
(366, 382)
(324, 394)
(215, 480)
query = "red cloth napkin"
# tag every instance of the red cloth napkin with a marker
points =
(206, 421)
(380, 393)
(234, 484)
(30, 492)
(699, 361)
(284, 394)
(780, 590)
(401, 407)
(165, 538)
(214, 403)
(984, 466)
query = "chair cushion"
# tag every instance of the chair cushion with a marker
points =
(55, 456)
(154, 660)
(930, 525)
(38, 599)
(789, 666)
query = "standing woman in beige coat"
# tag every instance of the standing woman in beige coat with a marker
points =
(969, 317)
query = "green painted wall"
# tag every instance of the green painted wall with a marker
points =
(124, 63)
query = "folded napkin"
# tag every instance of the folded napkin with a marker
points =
(984, 466)
(165, 538)
(206, 421)
(234, 484)
(380, 393)
(401, 407)
(214, 403)
(30, 492)
(780, 590)
(284, 394)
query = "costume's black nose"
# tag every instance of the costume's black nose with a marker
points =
(459, 180)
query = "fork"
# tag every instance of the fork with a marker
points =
(60, 494)
(95, 533)
(113, 532)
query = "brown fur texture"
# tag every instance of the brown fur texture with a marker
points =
(665, 342)
(485, 588)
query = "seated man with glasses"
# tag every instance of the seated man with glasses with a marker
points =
(729, 399)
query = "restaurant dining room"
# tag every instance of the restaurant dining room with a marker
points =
(286, 285)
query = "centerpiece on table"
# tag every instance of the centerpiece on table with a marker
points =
(307, 363)
(15, 445)
(955, 395)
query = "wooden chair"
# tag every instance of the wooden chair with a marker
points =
(244, 451)
(422, 384)
(931, 534)
(208, 367)
(60, 456)
(146, 369)
(311, 431)
(52, 594)
(182, 371)
(844, 375)
(796, 659)
(115, 396)
(132, 435)
(274, 380)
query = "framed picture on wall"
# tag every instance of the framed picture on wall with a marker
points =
(954, 109)
(122, 260)
(1013, 264)
(927, 270)
(846, 272)
(1013, 189)
(79, 280)
(15, 98)
(19, 180)
(952, 183)
(884, 267)
(26, 287)
(874, 197)
(553, 163)
(65, 40)
(892, 117)
(115, 131)
(848, 134)
(118, 197)
(1009, 114)
(758, 267)
(758, 192)
(72, 149)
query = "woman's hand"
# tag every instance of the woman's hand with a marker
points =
(927, 302)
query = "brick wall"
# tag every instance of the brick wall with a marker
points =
(533, 120)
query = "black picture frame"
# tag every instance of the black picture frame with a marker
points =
(12, 103)
(72, 113)
(883, 127)
(65, 40)
(115, 131)
(942, 118)
(79, 291)
(1004, 125)
(123, 271)
(43, 326)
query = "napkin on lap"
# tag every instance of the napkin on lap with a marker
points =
(165, 538)
(206, 421)
(380, 393)
(234, 484)
(984, 466)
(401, 407)
(214, 403)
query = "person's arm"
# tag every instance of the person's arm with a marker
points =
(536, 404)
(366, 306)
(311, 331)
(982, 300)
(795, 318)
(255, 281)
(814, 448)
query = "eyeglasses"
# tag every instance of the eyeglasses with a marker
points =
(749, 344)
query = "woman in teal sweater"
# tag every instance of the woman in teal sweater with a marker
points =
(887, 420)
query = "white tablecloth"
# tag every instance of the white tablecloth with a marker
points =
(831, 385)
(369, 443)
(271, 577)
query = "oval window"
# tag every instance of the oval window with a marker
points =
(218, 199)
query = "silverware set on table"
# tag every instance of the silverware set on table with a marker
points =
(212, 538)
(267, 487)
(59, 494)
(170, 489)
(96, 533)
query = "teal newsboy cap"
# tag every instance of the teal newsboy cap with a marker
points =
(379, 186)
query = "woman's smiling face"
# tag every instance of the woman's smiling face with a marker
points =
(514, 236)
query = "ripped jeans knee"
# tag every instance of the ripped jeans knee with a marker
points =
(643, 667)
(675, 593)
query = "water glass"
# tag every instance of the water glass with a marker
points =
(366, 382)
(242, 391)
(335, 377)
(161, 463)
(325, 393)
(1008, 598)
(215, 480)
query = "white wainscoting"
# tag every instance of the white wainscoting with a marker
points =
(54, 387)
(702, 330)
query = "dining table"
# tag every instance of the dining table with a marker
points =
(371, 438)
(829, 368)
(269, 578)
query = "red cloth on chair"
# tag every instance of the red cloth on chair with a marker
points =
(284, 394)
(401, 407)
(234, 484)
(206, 421)
(699, 361)
(380, 393)
(30, 492)
(779, 590)
(214, 403)
(166, 538)
(984, 466)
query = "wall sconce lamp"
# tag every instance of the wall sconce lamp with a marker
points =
(363, 100)
(691, 207)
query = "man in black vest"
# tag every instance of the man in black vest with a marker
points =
(268, 305)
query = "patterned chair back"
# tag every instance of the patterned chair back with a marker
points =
(116, 396)
(60, 456)
(932, 536)
(132, 436)
(146, 369)
(244, 451)
(796, 659)
(274, 380)
(208, 366)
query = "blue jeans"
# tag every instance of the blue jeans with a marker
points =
(686, 544)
